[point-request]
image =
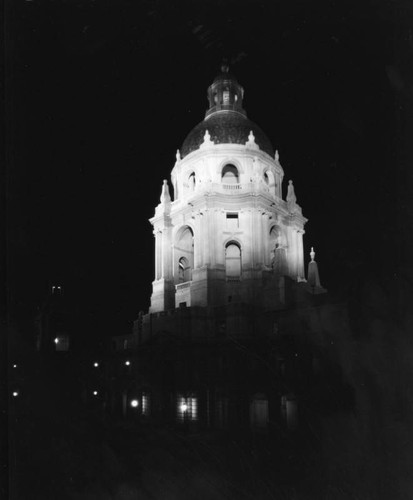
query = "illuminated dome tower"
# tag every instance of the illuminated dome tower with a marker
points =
(227, 236)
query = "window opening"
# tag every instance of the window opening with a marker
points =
(233, 262)
(230, 175)
(232, 221)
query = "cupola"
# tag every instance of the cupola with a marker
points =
(225, 93)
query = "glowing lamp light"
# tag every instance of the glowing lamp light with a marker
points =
(134, 403)
(14, 366)
(184, 407)
(95, 365)
(95, 393)
(127, 363)
(15, 394)
(56, 340)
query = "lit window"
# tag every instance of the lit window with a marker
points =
(145, 404)
(62, 342)
(57, 290)
(187, 409)
(225, 97)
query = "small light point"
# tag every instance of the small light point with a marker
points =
(134, 403)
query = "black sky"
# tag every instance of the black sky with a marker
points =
(100, 94)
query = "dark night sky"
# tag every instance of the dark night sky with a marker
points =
(100, 94)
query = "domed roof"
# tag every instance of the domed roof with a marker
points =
(226, 127)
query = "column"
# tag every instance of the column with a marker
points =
(300, 255)
(158, 254)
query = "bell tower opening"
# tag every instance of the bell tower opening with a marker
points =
(184, 255)
(230, 175)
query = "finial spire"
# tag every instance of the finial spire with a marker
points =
(291, 198)
(178, 155)
(165, 196)
(313, 277)
(312, 254)
(207, 140)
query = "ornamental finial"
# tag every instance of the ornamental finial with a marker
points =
(312, 254)
(165, 196)
(178, 155)
(291, 198)
(277, 156)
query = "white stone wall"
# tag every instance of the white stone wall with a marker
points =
(218, 212)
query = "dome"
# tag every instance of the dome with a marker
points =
(226, 127)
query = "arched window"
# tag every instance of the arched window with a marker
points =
(277, 251)
(184, 255)
(184, 270)
(192, 181)
(274, 241)
(269, 180)
(230, 174)
(233, 261)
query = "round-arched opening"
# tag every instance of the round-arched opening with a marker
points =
(233, 261)
(230, 174)
(277, 242)
(184, 270)
(192, 181)
(184, 255)
(269, 178)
